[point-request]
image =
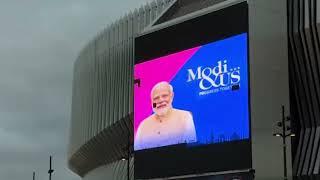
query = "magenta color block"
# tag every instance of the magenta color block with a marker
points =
(150, 73)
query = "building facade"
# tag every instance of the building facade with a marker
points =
(102, 98)
(284, 37)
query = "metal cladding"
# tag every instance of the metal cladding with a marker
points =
(183, 7)
(304, 66)
(101, 118)
(102, 109)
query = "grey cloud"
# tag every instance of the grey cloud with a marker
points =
(39, 42)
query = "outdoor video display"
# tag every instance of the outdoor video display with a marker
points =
(196, 96)
(192, 96)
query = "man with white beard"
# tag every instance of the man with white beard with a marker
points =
(167, 126)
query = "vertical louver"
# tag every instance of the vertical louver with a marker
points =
(102, 94)
(304, 65)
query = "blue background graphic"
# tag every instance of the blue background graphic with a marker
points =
(221, 116)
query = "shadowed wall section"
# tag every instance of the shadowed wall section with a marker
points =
(304, 65)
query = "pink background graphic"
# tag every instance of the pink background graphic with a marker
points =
(150, 73)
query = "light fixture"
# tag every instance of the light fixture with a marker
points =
(291, 135)
(277, 134)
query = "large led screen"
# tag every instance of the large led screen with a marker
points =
(196, 96)
(192, 96)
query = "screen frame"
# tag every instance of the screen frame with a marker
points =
(146, 37)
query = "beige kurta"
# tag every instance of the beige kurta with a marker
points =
(177, 128)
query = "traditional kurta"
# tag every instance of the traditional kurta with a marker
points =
(178, 127)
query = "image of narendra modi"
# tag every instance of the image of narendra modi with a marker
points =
(167, 125)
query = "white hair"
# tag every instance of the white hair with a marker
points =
(161, 84)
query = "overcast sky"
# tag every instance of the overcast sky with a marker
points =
(39, 42)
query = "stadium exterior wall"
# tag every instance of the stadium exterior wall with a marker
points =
(304, 65)
(102, 96)
(102, 89)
